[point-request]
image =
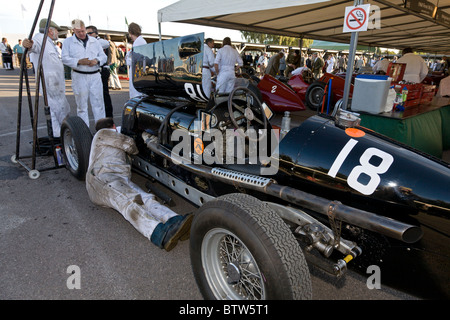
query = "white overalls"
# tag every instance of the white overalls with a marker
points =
(86, 80)
(54, 80)
(108, 182)
(207, 69)
(227, 58)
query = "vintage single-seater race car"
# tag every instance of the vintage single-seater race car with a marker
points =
(328, 193)
(301, 91)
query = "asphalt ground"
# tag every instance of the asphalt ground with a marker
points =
(48, 225)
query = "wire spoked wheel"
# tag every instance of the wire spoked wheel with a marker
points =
(70, 150)
(241, 249)
(230, 268)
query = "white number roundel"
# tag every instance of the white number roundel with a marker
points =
(365, 167)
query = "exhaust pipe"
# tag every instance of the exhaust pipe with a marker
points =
(364, 219)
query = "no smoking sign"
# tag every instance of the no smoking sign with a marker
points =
(356, 18)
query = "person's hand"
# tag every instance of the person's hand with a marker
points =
(83, 62)
(27, 43)
(93, 62)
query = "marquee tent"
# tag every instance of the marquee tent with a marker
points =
(421, 24)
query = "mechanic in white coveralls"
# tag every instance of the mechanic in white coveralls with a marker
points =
(85, 56)
(108, 182)
(53, 70)
(226, 59)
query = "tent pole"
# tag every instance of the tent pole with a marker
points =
(349, 72)
(159, 28)
(301, 52)
(350, 64)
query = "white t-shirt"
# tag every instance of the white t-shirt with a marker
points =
(416, 68)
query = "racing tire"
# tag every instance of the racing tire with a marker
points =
(240, 248)
(76, 141)
(314, 95)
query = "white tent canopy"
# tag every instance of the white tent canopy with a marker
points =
(421, 24)
(195, 9)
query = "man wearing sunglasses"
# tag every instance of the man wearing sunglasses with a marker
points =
(85, 56)
(105, 73)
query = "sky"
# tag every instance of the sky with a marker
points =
(17, 16)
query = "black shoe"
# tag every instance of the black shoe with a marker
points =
(178, 231)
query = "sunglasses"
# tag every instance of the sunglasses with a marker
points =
(90, 32)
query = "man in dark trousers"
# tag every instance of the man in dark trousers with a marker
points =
(317, 65)
(273, 67)
(93, 32)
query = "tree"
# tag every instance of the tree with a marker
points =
(256, 37)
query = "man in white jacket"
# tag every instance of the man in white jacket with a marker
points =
(85, 56)
(53, 73)
(108, 182)
(225, 64)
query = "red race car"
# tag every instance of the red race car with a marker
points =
(300, 91)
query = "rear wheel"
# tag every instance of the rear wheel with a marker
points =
(241, 249)
(76, 140)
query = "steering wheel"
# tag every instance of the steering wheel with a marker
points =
(247, 112)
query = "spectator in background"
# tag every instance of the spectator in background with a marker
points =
(342, 63)
(7, 54)
(293, 61)
(441, 66)
(282, 65)
(59, 47)
(330, 63)
(308, 61)
(113, 62)
(317, 65)
(359, 62)
(381, 66)
(135, 31)
(262, 64)
(18, 51)
(273, 66)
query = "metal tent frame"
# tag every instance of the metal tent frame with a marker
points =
(33, 173)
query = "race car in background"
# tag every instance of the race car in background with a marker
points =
(301, 91)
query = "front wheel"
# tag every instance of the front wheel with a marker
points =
(241, 249)
(76, 146)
